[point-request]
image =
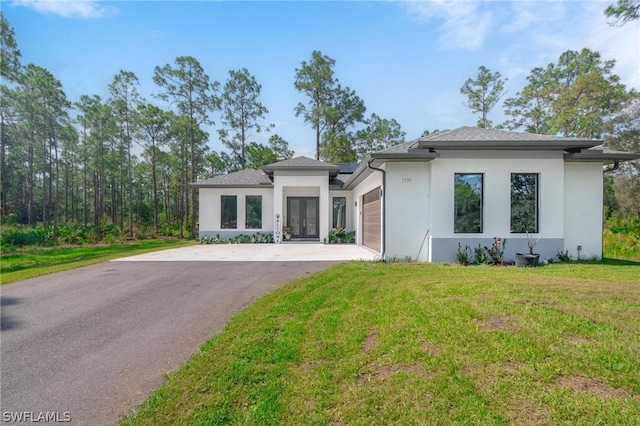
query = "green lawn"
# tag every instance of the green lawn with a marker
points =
(35, 261)
(407, 343)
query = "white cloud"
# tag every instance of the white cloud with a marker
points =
(85, 9)
(542, 30)
(463, 24)
(613, 42)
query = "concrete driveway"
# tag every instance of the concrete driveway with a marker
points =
(92, 343)
(289, 252)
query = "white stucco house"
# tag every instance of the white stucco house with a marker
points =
(421, 198)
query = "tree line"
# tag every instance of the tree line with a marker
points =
(125, 160)
(65, 161)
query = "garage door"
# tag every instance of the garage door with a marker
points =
(371, 219)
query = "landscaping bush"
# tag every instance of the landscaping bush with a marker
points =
(23, 235)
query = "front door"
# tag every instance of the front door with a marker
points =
(302, 214)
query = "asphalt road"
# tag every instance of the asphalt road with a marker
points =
(92, 343)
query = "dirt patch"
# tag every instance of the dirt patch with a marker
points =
(383, 372)
(512, 367)
(527, 413)
(429, 348)
(533, 302)
(594, 387)
(577, 340)
(502, 322)
(370, 341)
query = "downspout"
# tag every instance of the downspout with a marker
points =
(616, 166)
(384, 206)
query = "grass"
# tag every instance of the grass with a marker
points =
(35, 261)
(406, 343)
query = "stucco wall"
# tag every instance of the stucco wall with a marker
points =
(429, 205)
(408, 215)
(583, 209)
(210, 211)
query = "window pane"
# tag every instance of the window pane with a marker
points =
(468, 203)
(339, 212)
(229, 214)
(253, 218)
(524, 203)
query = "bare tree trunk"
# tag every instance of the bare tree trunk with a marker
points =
(30, 179)
(3, 170)
(57, 198)
(44, 182)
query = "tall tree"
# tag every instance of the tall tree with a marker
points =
(259, 155)
(575, 97)
(623, 134)
(379, 133)
(43, 105)
(343, 112)
(483, 94)
(337, 148)
(9, 52)
(280, 147)
(219, 164)
(154, 127)
(529, 108)
(125, 100)
(315, 80)
(10, 71)
(623, 11)
(188, 86)
(241, 111)
(99, 136)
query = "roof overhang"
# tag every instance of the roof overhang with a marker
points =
(600, 156)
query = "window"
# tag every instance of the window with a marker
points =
(468, 203)
(339, 212)
(524, 203)
(253, 212)
(229, 212)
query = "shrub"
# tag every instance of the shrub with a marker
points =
(336, 235)
(480, 255)
(23, 235)
(496, 251)
(464, 255)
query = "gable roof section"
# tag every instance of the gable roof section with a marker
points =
(248, 178)
(491, 139)
(301, 163)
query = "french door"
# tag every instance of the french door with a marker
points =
(302, 216)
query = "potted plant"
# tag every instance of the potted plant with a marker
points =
(531, 258)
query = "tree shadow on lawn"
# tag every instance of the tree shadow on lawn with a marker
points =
(617, 262)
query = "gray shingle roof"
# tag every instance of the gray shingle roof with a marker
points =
(301, 163)
(241, 179)
(490, 139)
(400, 148)
(466, 133)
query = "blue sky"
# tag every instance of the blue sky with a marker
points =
(406, 60)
